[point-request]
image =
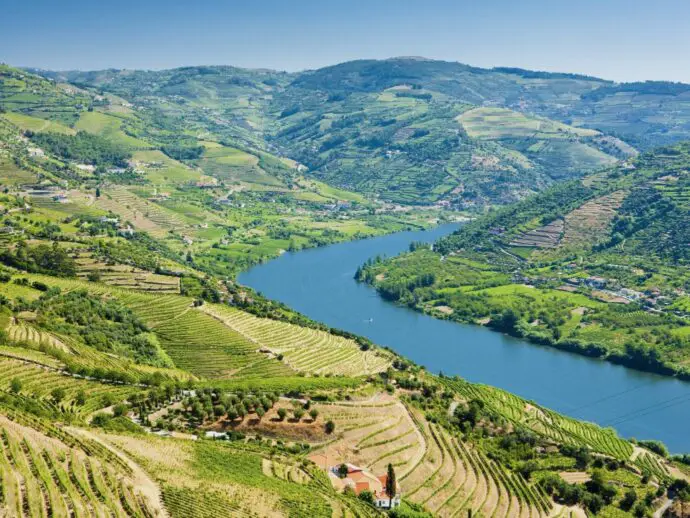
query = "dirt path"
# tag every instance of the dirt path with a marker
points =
(142, 482)
(660, 512)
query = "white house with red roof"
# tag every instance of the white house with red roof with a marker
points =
(359, 480)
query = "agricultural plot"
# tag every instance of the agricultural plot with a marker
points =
(109, 126)
(20, 331)
(547, 236)
(124, 276)
(40, 382)
(549, 424)
(142, 214)
(435, 469)
(303, 349)
(585, 225)
(207, 479)
(589, 223)
(27, 122)
(233, 165)
(204, 346)
(63, 475)
(497, 123)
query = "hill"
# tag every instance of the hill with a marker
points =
(597, 266)
(138, 379)
(405, 129)
(382, 128)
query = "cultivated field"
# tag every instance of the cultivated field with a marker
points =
(303, 349)
(443, 473)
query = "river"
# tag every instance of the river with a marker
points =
(319, 283)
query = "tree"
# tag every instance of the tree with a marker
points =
(342, 470)
(330, 427)
(260, 412)
(58, 394)
(81, 398)
(120, 410)
(98, 192)
(298, 413)
(628, 500)
(390, 484)
(367, 496)
(282, 414)
(313, 413)
(16, 385)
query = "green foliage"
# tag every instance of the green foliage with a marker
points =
(83, 148)
(51, 260)
(104, 324)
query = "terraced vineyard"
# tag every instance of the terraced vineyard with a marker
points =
(547, 236)
(549, 424)
(200, 343)
(206, 480)
(124, 276)
(40, 381)
(435, 469)
(303, 349)
(589, 223)
(63, 475)
(143, 214)
(20, 331)
(586, 224)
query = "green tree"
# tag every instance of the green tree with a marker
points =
(282, 414)
(120, 410)
(330, 427)
(313, 413)
(367, 496)
(391, 484)
(298, 413)
(58, 394)
(628, 500)
(16, 385)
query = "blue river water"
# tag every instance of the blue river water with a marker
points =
(319, 283)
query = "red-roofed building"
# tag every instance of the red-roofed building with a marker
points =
(359, 480)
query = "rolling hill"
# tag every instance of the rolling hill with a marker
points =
(597, 265)
(138, 379)
(406, 129)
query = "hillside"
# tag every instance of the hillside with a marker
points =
(130, 173)
(598, 266)
(138, 379)
(412, 130)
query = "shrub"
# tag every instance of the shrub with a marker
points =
(16, 385)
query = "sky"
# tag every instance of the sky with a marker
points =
(623, 40)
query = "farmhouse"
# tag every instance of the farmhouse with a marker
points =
(359, 480)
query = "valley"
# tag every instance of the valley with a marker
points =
(181, 333)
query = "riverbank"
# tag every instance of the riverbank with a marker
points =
(319, 284)
(524, 331)
(552, 306)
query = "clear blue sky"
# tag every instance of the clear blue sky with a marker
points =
(617, 39)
